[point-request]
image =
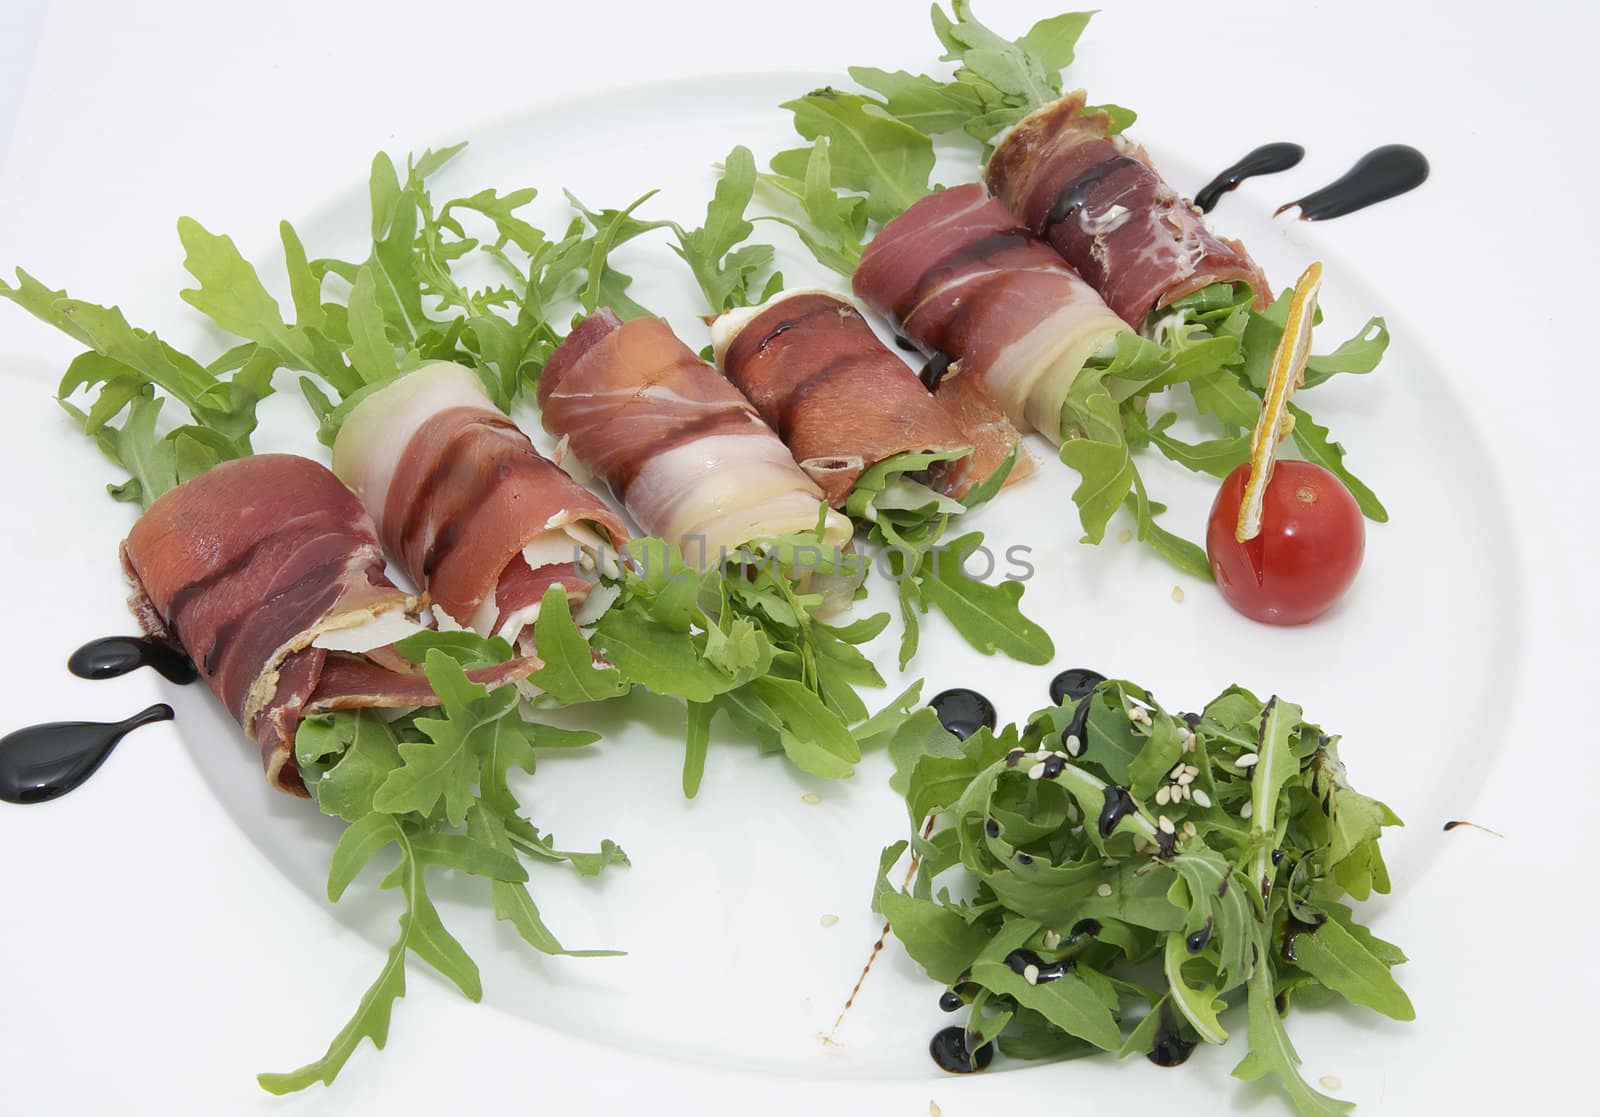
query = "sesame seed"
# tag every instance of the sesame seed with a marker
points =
(1062, 755)
(1177, 770)
(828, 920)
(1125, 535)
(1180, 792)
(1165, 824)
(1109, 862)
(1030, 974)
(1036, 771)
(1248, 760)
(1052, 939)
(1330, 1082)
(1104, 890)
(934, 1110)
(1191, 769)
(1074, 746)
(1246, 810)
(1188, 740)
(1177, 595)
(1189, 830)
(1201, 797)
(1163, 795)
(1186, 777)
(811, 797)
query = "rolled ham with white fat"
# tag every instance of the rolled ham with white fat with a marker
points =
(839, 398)
(961, 279)
(688, 456)
(267, 573)
(1100, 202)
(469, 508)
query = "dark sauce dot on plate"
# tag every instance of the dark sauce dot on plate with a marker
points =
(44, 762)
(962, 711)
(1379, 175)
(949, 1051)
(1075, 683)
(111, 656)
(1268, 159)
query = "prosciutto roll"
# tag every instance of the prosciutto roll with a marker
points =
(1100, 202)
(267, 573)
(958, 276)
(686, 453)
(464, 503)
(836, 395)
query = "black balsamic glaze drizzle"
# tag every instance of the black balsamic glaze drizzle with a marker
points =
(935, 370)
(44, 762)
(1378, 175)
(1076, 192)
(950, 1001)
(1196, 942)
(962, 711)
(949, 1051)
(905, 343)
(1119, 804)
(1170, 1049)
(1076, 683)
(1268, 159)
(111, 656)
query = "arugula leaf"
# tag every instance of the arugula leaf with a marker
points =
(869, 150)
(729, 276)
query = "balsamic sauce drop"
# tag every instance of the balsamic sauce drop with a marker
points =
(1044, 972)
(905, 343)
(1196, 942)
(950, 1001)
(949, 1051)
(962, 711)
(1292, 929)
(1170, 1049)
(1119, 804)
(44, 762)
(111, 656)
(1378, 175)
(1076, 683)
(934, 371)
(1268, 159)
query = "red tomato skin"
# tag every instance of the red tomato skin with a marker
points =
(1310, 548)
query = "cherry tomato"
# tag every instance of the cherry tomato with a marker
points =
(1309, 550)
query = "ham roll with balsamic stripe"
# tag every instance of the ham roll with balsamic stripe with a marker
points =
(687, 455)
(474, 514)
(838, 397)
(267, 573)
(958, 276)
(1103, 206)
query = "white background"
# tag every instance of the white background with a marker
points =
(149, 957)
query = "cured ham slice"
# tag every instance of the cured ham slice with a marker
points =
(838, 397)
(267, 572)
(679, 446)
(1101, 203)
(474, 514)
(958, 276)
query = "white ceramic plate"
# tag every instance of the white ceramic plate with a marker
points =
(731, 978)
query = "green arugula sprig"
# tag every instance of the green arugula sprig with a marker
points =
(741, 637)
(1130, 873)
(436, 786)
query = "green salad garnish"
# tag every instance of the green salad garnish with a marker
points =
(1110, 876)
